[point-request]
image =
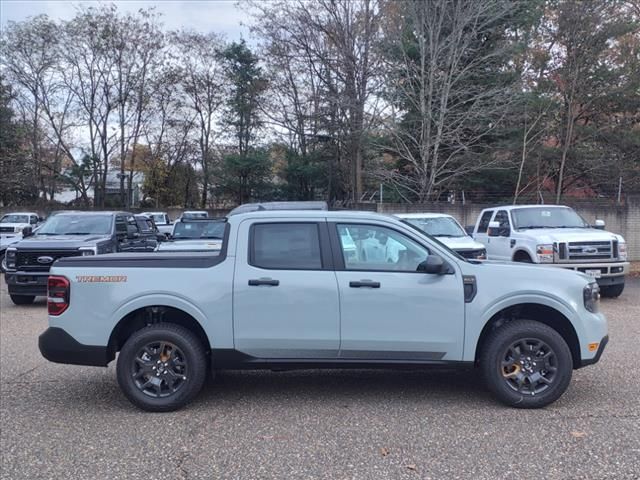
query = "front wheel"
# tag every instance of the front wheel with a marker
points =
(612, 291)
(526, 364)
(22, 299)
(162, 367)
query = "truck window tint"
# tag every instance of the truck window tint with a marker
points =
(484, 221)
(502, 217)
(371, 247)
(284, 246)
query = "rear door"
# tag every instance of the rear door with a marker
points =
(285, 295)
(389, 311)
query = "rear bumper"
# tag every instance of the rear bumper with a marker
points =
(27, 283)
(56, 345)
(590, 361)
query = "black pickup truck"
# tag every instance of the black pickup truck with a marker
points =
(69, 234)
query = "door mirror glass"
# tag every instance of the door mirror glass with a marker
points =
(434, 264)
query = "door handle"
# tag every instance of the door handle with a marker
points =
(264, 281)
(364, 283)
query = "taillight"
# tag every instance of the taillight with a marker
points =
(58, 296)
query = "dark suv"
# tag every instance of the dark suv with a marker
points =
(69, 234)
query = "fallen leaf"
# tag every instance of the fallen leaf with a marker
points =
(384, 451)
(579, 434)
(412, 467)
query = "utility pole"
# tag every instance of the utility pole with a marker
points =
(619, 190)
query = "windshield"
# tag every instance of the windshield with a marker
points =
(15, 219)
(158, 219)
(77, 225)
(195, 215)
(438, 226)
(544, 217)
(191, 230)
(435, 240)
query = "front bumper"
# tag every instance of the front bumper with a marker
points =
(56, 345)
(27, 283)
(590, 361)
(609, 273)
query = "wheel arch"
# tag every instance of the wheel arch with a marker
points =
(138, 318)
(538, 312)
(520, 252)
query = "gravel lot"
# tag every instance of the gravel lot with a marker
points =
(61, 421)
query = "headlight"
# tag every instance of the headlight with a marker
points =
(86, 251)
(591, 294)
(545, 253)
(10, 258)
(622, 251)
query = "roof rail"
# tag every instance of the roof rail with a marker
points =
(256, 207)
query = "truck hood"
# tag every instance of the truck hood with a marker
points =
(550, 235)
(195, 245)
(461, 243)
(44, 242)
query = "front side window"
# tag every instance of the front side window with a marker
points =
(285, 246)
(376, 248)
(502, 217)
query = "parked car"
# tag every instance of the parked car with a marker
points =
(282, 294)
(194, 214)
(447, 229)
(67, 234)
(11, 226)
(195, 235)
(162, 221)
(557, 236)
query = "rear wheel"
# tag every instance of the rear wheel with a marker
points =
(162, 367)
(612, 291)
(22, 299)
(526, 364)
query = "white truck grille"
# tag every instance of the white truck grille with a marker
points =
(589, 251)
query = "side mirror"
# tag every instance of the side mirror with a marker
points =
(27, 232)
(494, 229)
(434, 264)
(599, 224)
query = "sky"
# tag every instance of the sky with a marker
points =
(221, 16)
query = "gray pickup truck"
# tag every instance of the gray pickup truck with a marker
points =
(289, 289)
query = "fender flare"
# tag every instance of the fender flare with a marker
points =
(162, 299)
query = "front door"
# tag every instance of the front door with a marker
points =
(285, 295)
(499, 246)
(389, 311)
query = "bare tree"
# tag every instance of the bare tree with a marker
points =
(201, 74)
(445, 60)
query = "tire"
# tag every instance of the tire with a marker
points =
(140, 373)
(22, 299)
(522, 257)
(612, 291)
(512, 384)
(2, 262)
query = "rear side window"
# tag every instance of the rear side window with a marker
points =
(285, 246)
(484, 221)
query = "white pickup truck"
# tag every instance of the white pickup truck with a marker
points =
(557, 236)
(291, 289)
